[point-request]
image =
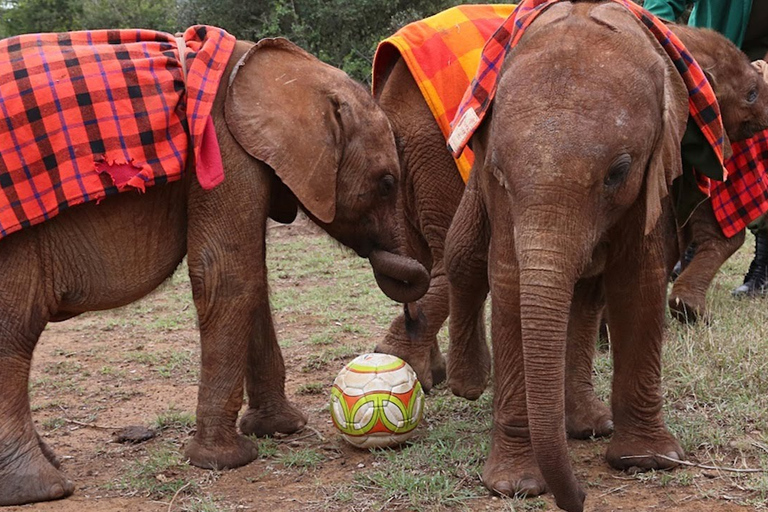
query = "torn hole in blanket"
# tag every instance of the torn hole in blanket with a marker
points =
(123, 174)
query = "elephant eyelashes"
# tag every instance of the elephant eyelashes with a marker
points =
(618, 171)
(386, 185)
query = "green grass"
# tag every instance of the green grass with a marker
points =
(157, 475)
(54, 423)
(173, 419)
(325, 359)
(177, 364)
(313, 388)
(301, 459)
(328, 310)
(268, 447)
(206, 504)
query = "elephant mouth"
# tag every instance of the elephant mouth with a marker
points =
(749, 129)
(402, 279)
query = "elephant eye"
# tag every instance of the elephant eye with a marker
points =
(618, 171)
(386, 185)
(752, 95)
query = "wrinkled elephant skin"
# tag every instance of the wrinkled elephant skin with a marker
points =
(743, 97)
(134, 242)
(568, 203)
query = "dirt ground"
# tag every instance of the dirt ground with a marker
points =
(99, 372)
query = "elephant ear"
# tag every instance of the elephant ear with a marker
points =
(666, 162)
(282, 110)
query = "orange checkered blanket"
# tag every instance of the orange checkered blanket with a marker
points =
(442, 53)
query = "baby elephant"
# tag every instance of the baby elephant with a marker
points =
(570, 206)
(292, 133)
(742, 93)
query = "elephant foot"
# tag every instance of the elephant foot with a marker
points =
(233, 455)
(630, 452)
(468, 377)
(261, 421)
(32, 478)
(586, 416)
(513, 476)
(686, 310)
(437, 365)
(468, 380)
(419, 358)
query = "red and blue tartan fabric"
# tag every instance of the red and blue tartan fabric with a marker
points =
(89, 114)
(744, 197)
(701, 98)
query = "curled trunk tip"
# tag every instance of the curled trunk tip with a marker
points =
(402, 279)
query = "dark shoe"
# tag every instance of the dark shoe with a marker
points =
(756, 280)
(680, 265)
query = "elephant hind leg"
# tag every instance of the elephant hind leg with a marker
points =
(469, 360)
(27, 476)
(687, 301)
(28, 468)
(269, 410)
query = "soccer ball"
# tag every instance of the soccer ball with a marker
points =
(376, 401)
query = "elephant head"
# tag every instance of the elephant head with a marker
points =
(741, 90)
(574, 164)
(332, 151)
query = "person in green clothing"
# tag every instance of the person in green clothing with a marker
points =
(745, 22)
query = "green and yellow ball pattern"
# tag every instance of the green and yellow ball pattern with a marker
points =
(376, 401)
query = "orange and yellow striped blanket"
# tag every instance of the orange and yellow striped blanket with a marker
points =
(442, 53)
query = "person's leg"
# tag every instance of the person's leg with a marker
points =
(756, 279)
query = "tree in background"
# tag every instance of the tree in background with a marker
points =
(154, 14)
(343, 33)
(23, 16)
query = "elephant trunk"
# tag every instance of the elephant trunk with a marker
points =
(546, 293)
(402, 279)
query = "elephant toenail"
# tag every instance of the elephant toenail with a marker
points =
(674, 455)
(529, 487)
(608, 426)
(504, 488)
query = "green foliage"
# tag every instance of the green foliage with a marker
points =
(342, 33)
(23, 16)
(29, 16)
(152, 14)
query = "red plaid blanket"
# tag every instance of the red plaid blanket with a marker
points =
(89, 114)
(744, 197)
(702, 102)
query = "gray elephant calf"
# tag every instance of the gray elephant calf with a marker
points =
(292, 132)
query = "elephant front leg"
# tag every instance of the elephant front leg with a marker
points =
(225, 327)
(511, 468)
(635, 292)
(585, 414)
(687, 301)
(229, 291)
(421, 350)
(269, 411)
(469, 361)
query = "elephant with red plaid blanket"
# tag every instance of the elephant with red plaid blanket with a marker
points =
(292, 133)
